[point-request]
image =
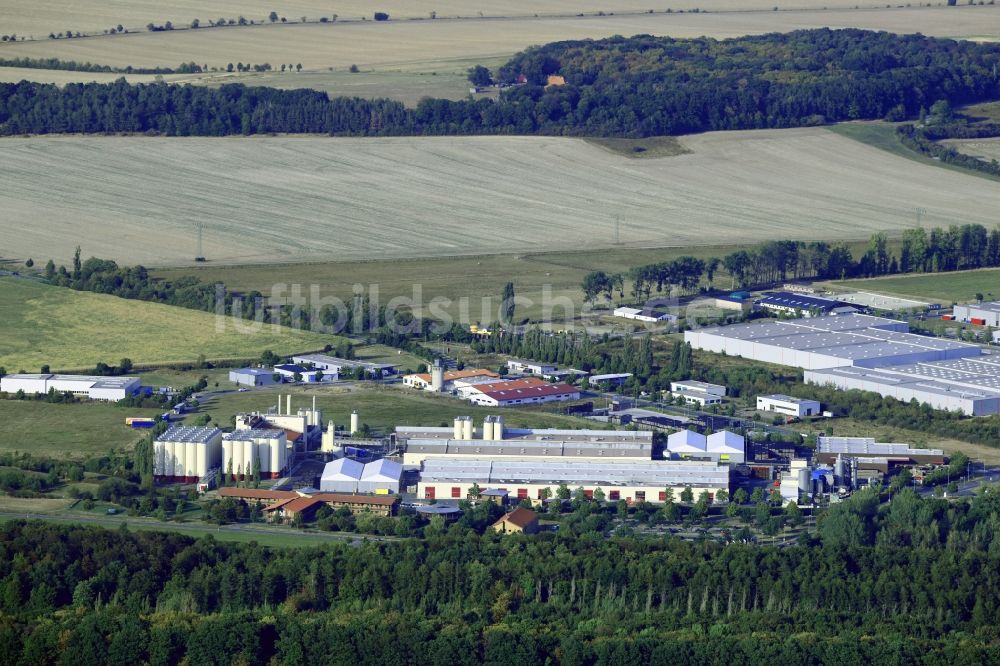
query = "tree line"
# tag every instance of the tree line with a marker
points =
(957, 247)
(921, 574)
(924, 140)
(638, 86)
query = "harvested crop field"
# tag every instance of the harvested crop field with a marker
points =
(984, 149)
(72, 330)
(948, 288)
(29, 18)
(287, 199)
(319, 46)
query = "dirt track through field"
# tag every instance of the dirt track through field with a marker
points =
(273, 199)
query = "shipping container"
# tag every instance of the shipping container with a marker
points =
(978, 321)
(948, 317)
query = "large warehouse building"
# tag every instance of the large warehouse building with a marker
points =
(381, 477)
(334, 366)
(496, 442)
(95, 388)
(184, 454)
(981, 314)
(868, 353)
(829, 448)
(632, 481)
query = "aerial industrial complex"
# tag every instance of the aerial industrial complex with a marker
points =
(854, 351)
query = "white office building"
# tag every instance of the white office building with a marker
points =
(787, 405)
(981, 314)
(698, 393)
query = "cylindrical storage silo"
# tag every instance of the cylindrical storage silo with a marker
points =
(227, 454)
(177, 449)
(467, 426)
(497, 427)
(488, 428)
(159, 454)
(190, 461)
(201, 466)
(276, 466)
(355, 422)
(249, 455)
(459, 429)
(237, 458)
(805, 481)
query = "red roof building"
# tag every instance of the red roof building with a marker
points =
(522, 392)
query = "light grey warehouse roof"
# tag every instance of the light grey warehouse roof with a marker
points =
(248, 435)
(531, 447)
(787, 398)
(196, 434)
(981, 373)
(889, 376)
(868, 446)
(992, 306)
(652, 473)
(342, 362)
(550, 435)
(382, 470)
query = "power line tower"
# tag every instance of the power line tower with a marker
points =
(920, 215)
(201, 255)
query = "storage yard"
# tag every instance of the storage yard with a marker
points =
(545, 185)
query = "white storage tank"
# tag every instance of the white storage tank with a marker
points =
(275, 466)
(178, 453)
(237, 458)
(191, 459)
(201, 461)
(227, 454)
(249, 455)
(159, 454)
(263, 452)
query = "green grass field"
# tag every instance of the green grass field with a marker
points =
(463, 282)
(383, 408)
(75, 430)
(71, 330)
(883, 135)
(957, 287)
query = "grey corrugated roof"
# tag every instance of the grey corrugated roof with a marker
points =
(196, 434)
(609, 472)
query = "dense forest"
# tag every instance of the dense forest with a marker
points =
(915, 581)
(636, 86)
